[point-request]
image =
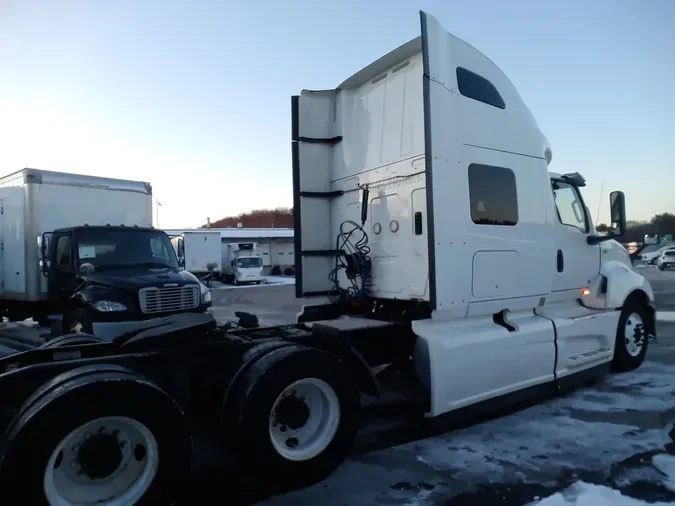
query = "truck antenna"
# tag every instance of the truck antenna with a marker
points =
(597, 216)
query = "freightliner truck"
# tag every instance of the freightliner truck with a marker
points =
(78, 254)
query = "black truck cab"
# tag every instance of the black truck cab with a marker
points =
(105, 279)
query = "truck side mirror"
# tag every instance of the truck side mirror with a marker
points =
(617, 204)
(651, 239)
(43, 242)
(87, 269)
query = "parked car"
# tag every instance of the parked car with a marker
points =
(652, 255)
(667, 259)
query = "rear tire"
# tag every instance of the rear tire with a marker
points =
(292, 417)
(93, 435)
(631, 336)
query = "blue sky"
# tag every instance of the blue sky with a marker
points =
(193, 96)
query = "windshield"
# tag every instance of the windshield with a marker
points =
(669, 253)
(106, 248)
(249, 262)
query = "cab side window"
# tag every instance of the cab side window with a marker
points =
(64, 254)
(569, 206)
(493, 195)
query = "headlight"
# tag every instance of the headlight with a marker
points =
(109, 306)
(206, 293)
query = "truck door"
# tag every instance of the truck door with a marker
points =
(577, 262)
(62, 279)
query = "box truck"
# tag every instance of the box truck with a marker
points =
(79, 250)
(199, 252)
(242, 264)
(447, 272)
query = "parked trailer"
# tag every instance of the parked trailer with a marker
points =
(458, 278)
(199, 252)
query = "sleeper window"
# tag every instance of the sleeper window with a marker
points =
(471, 85)
(492, 195)
(569, 206)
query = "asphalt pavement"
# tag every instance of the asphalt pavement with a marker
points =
(606, 434)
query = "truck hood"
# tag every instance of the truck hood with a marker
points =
(135, 278)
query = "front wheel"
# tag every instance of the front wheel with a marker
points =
(292, 417)
(631, 336)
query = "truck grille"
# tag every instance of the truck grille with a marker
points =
(165, 299)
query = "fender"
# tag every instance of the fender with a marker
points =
(614, 284)
(365, 379)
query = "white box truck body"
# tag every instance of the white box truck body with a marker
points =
(37, 201)
(197, 249)
(241, 263)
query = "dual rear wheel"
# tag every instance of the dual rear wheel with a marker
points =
(106, 435)
(100, 435)
(291, 415)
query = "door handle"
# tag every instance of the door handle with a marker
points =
(560, 261)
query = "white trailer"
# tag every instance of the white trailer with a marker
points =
(198, 250)
(241, 263)
(33, 202)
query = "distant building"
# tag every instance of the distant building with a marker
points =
(274, 244)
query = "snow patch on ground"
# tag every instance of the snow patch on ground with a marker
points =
(586, 494)
(28, 322)
(589, 430)
(651, 388)
(267, 281)
(665, 316)
(595, 426)
(665, 464)
(280, 280)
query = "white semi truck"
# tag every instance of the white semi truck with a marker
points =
(242, 264)
(199, 251)
(446, 270)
